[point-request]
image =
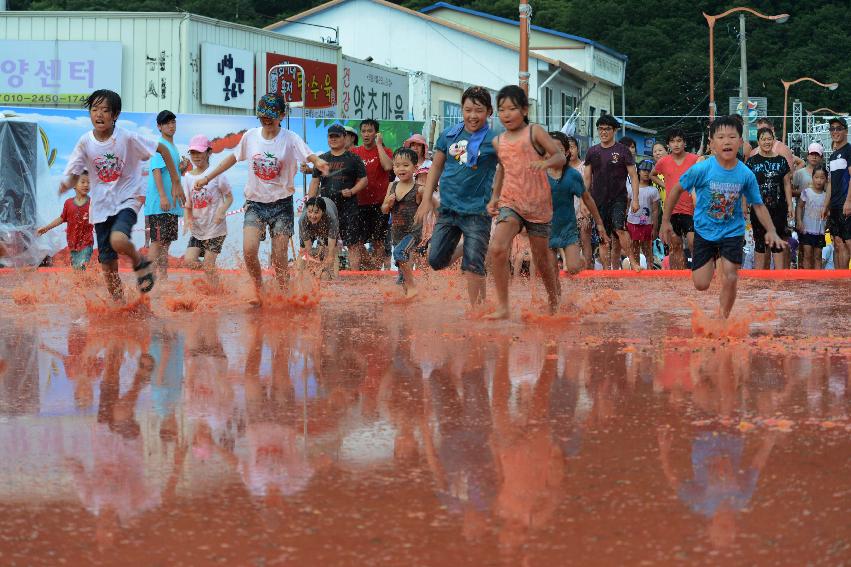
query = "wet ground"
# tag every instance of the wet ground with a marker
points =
(346, 427)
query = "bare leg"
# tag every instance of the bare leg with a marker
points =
(210, 268)
(159, 256)
(635, 255)
(475, 288)
(355, 254)
(587, 247)
(280, 251)
(780, 259)
(729, 280)
(122, 244)
(573, 264)
(841, 254)
(761, 260)
(544, 261)
(500, 244)
(250, 254)
(647, 249)
(816, 261)
(407, 279)
(113, 281)
(625, 244)
(190, 259)
(605, 251)
(677, 255)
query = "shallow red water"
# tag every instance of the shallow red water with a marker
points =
(342, 426)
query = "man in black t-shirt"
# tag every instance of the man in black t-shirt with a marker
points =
(840, 198)
(346, 178)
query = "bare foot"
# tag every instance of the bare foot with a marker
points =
(255, 300)
(411, 293)
(500, 313)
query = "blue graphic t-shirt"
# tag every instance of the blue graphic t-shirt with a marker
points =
(717, 194)
(466, 189)
(152, 197)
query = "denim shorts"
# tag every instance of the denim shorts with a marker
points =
(122, 222)
(448, 230)
(402, 249)
(277, 216)
(80, 258)
(540, 229)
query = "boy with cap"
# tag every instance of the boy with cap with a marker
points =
(161, 211)
(345, 179)
(839, 164)
(275, 154)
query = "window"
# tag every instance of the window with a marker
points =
(592, 131)
(568, 104)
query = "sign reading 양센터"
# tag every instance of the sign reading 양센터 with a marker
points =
(369, 91)
(57, 72)
(227, 76)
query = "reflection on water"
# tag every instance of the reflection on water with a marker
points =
(351, 435)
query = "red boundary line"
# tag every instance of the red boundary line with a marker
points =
(587, 274)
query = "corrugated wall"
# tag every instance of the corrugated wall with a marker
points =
(161, 51)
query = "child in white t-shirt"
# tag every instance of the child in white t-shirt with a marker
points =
(205, 212)
(641, 224)
(274, 153)
(113, 157)
(810, 219)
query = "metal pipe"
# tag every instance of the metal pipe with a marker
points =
(540, 88)
(303, 103)
(744, 75)
(525, 17)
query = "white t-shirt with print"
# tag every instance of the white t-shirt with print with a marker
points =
(813, 223)
(648, 196)
(204, 203)
(115, 171)
(272, 163)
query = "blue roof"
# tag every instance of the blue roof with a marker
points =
(599, 46)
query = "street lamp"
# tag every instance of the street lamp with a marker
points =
(779, 18)
(828, 111)
(787, 84)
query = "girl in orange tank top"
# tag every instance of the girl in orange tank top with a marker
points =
(522, 198)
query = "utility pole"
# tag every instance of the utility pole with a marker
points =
(744, 76)
(525, 18)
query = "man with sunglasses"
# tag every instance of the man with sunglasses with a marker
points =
(346, 178)
(840, 199)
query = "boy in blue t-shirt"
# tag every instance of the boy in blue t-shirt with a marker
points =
(717, 185)
(465, 163)
(161, 212)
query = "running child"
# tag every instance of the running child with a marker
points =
(115, 155)
(206, 208)
(401, 202)
(775, 187)
(567, 185)
(466, 180)
(161, 212)
(522, 197)
(319, 224)
(75, 212)
(813, 209)
(641, 225)
(275, 154)
(718, 184)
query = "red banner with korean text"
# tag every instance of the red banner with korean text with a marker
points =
(320, 83)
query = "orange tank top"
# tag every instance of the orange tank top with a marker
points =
(526, 191)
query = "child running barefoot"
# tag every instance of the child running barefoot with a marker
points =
(813, 209)
(275, 154)
(206, 208)
(566, 183)
(115, 155)
(718, 184)
(402, 201)
(522, 197)
(641, 225)
(76, 213)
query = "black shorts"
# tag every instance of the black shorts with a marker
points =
(839, 225)
(778, 219)
(732, 248)
(373, 225)
(122, 222)
(348, 216)
(163, 227)
(814, 240)
(614, 216)
(211, 244)
(682, 224)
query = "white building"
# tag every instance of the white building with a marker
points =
(178, 61)
(445, 49)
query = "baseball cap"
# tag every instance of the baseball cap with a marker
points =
(199, 143)
(271, 106)
(815, 148)
(336, 129)
(353, 132)
(415, 139)
(646, 165)
(838, 120)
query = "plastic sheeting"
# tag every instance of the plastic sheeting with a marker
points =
(24, 177)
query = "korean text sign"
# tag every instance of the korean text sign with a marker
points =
(372, 92)
(57, 72)
(227, 76)
(321, 83)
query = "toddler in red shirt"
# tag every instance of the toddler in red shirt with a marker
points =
(75, 212)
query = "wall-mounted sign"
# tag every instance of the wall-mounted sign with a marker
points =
(373, 92)
(227, 76)
(320, 85)
(57, 72)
